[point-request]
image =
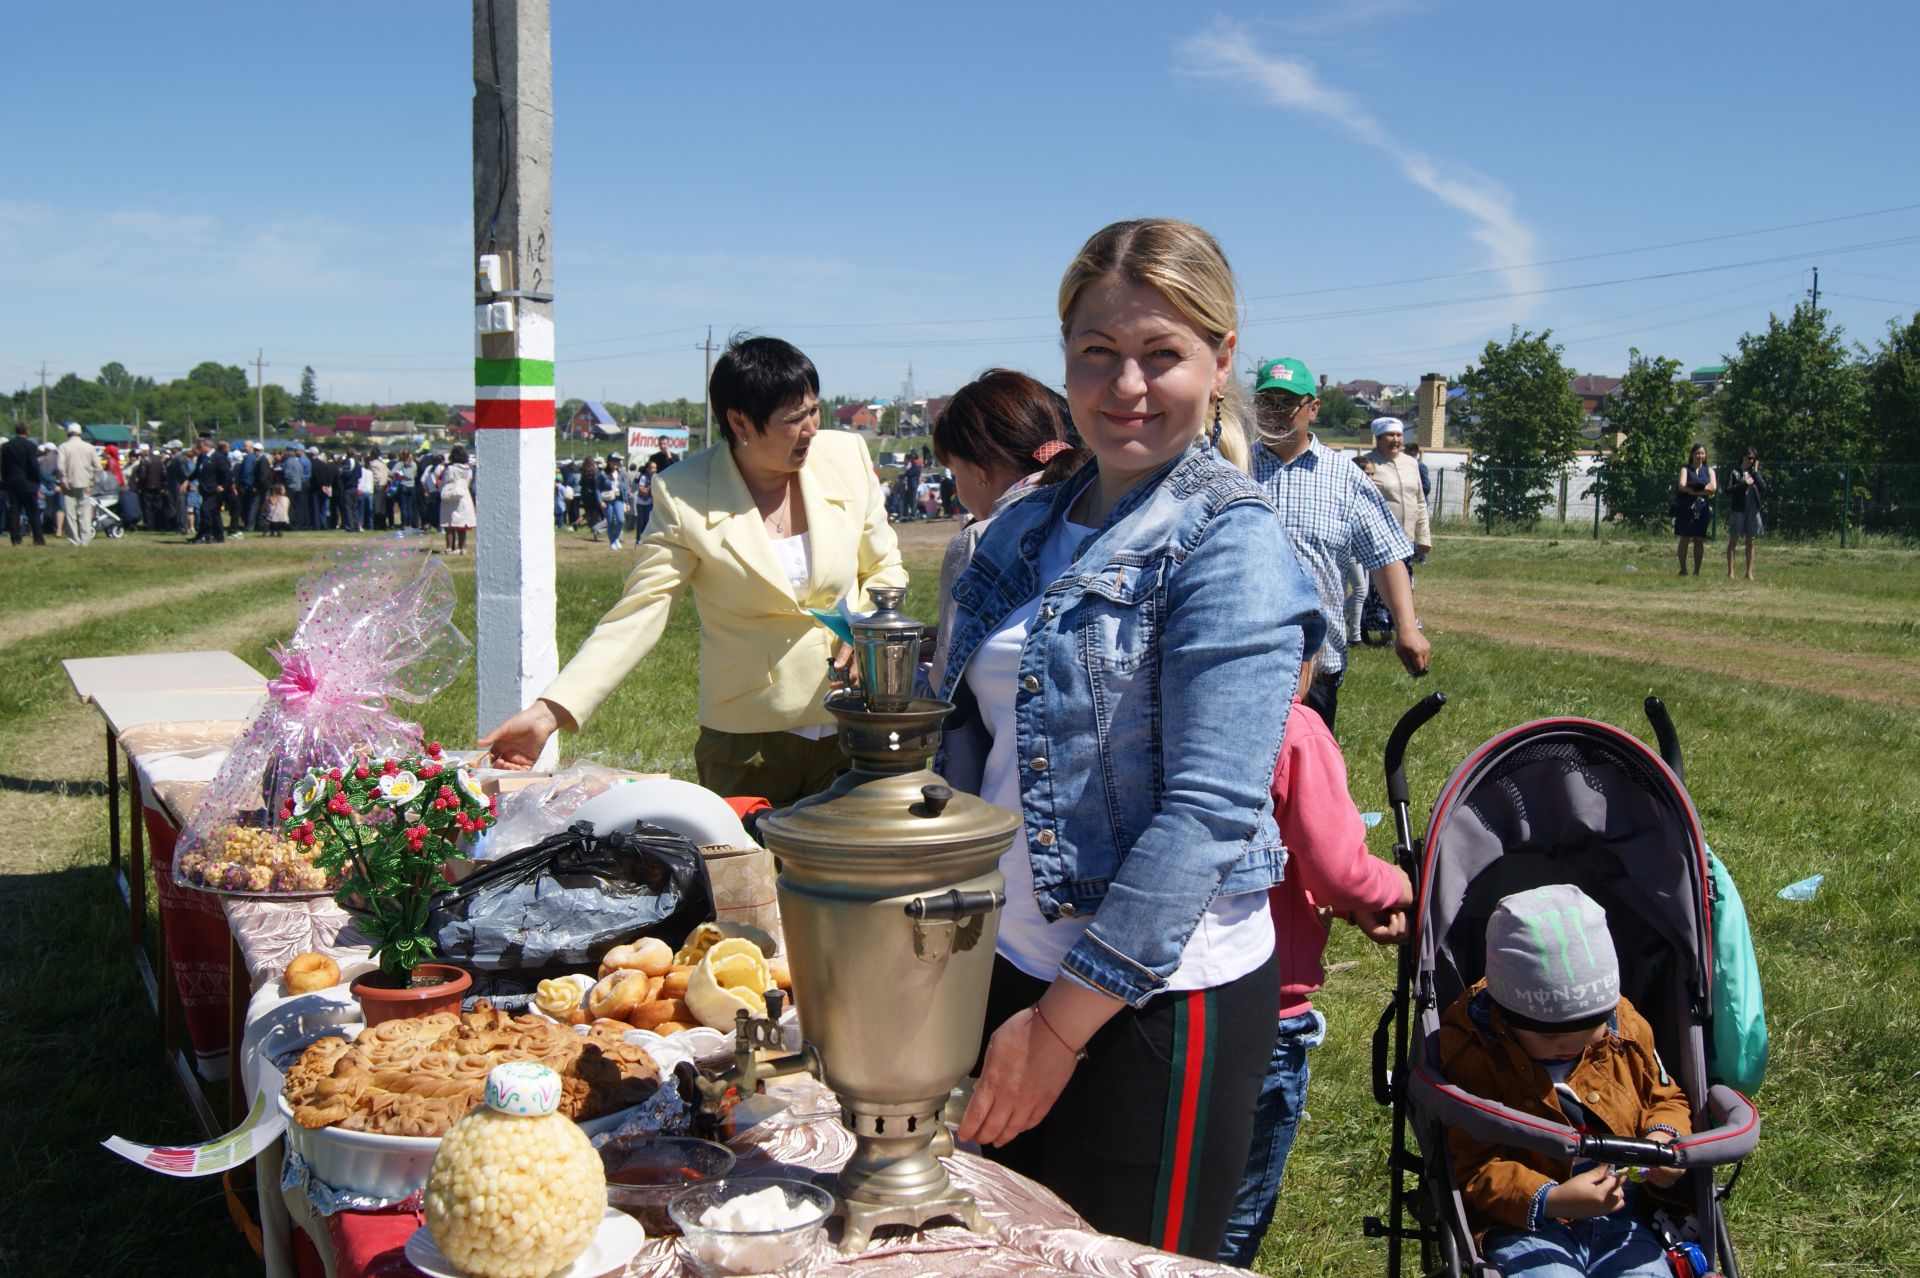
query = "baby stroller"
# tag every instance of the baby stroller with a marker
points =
(106, 519)
(1553, 801)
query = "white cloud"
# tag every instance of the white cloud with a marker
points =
(1228, 52)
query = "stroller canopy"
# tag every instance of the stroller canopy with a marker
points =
(1567, 801)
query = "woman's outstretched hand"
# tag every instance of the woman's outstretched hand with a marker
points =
(516, 744)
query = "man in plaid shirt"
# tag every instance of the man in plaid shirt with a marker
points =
(1335, 516)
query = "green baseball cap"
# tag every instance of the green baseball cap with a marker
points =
(1285, 374)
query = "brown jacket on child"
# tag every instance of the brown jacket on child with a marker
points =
(1619, 1080)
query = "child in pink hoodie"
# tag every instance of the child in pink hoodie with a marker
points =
(1328, 869)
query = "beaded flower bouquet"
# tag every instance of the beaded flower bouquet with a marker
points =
(384, 827)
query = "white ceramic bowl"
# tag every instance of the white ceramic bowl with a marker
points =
(378, 1165)
(681, 806)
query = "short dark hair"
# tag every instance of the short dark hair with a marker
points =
(458, 457)
(756, 375)
(1001, 420)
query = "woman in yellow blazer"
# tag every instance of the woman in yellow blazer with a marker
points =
(776, 519)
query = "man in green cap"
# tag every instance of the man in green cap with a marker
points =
(1335, 516)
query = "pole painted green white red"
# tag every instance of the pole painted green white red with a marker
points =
(513, 372)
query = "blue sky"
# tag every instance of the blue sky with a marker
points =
(887, 183)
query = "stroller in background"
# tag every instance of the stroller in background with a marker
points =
(1554, 801)
(106, 519)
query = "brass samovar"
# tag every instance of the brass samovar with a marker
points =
(890, 891)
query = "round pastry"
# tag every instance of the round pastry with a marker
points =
(670, 1027)
(649, 954)
(618, 994)
(310, 972)
(782, 974)
(651, 1015)
(674, 983)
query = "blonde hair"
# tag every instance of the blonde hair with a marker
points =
(1185, 265)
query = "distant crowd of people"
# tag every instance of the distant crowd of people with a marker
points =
(605, 496)
(217, 488)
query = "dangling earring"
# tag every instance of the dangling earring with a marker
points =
(1217, 400)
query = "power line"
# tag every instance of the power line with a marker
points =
(1430, 304)
(1594, 257)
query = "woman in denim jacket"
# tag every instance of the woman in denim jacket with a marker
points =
(1123, 648)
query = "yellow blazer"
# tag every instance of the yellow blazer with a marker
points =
(763, 661)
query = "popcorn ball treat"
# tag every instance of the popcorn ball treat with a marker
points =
(242, 858)
(516, 1190)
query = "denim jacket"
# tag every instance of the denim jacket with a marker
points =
(1154, 688)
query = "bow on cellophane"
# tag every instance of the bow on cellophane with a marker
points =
(376, 628)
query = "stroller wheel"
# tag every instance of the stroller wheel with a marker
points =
(117, 531)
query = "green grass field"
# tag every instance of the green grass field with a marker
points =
(1795, 697)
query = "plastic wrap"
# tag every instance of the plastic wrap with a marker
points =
(563, 903)
(544, 808)
(375, 627)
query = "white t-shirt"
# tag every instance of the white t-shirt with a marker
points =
(1235, 935)
(795, 556)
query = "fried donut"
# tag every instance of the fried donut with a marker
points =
(649, 954)
(651, 1015)
(618, 994)
(310, 972)
(674, 983)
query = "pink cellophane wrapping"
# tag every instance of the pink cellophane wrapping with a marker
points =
(376, 627)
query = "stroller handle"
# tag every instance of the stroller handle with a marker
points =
(1663, 732)
(1396, 753)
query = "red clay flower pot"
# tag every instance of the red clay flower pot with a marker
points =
(382, 1000)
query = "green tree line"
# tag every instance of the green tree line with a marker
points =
(213, 397)
(1837, 427)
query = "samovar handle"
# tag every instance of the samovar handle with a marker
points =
(953, 920)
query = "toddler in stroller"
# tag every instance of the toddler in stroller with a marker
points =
(1563, 907)
(1547, 1029)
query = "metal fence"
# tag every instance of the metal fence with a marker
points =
(1837, 503)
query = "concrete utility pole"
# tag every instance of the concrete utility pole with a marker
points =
(513, 364)
(706, 396)
(260, 395)
(1816, 293)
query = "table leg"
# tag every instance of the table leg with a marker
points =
(239, 991)
(172, 1013)
(136, 863)
(113, 799)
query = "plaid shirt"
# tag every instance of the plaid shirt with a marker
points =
(1335, 515)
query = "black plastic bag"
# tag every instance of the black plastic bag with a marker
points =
(561, 904)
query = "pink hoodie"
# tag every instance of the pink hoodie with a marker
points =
(1327, 859)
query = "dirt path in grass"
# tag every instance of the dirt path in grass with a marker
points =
(1593, 631)
(41, 622)
(56, 803)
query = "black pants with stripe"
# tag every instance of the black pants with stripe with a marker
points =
(1149, 1140)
